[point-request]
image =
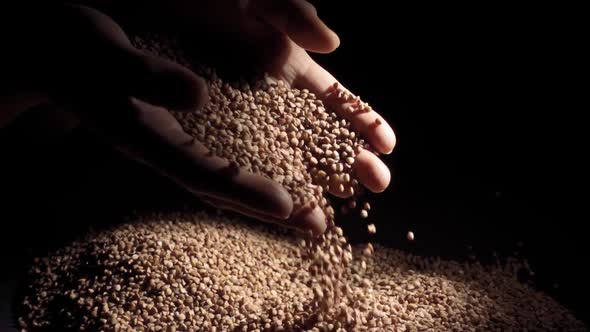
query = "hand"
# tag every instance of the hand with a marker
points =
(97, 56)
(81, 58)
(274, 36)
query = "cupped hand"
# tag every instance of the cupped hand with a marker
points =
(275, 37)
(86, 60)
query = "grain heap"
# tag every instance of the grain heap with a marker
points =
(287, 135)
(195, 272)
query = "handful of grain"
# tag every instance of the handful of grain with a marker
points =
(271, 129)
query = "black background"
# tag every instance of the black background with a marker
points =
(487, 104)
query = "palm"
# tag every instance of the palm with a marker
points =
(291, 63)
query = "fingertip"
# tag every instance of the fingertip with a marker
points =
(371, 171)
(299, 20)
(340, 194)
(324, 39)
(384, 139)
(310, 24)
(337, 188)
(328, 42)
(310, 218)
(392, 142)
(281, 201)
(200, 95)
(262, 195)
(335, 40)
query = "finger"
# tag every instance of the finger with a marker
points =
(369, 124)
(99, 59)
(226, 205)
(336, 189)
(159, 142)
(308, 218)
(216, 177)
(371, 171)
(297, 19)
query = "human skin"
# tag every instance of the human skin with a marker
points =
(83, 57)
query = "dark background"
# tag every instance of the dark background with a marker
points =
(486, 102)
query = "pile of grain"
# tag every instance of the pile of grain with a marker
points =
(194, 272)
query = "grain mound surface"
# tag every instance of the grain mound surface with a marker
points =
(195, 272)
